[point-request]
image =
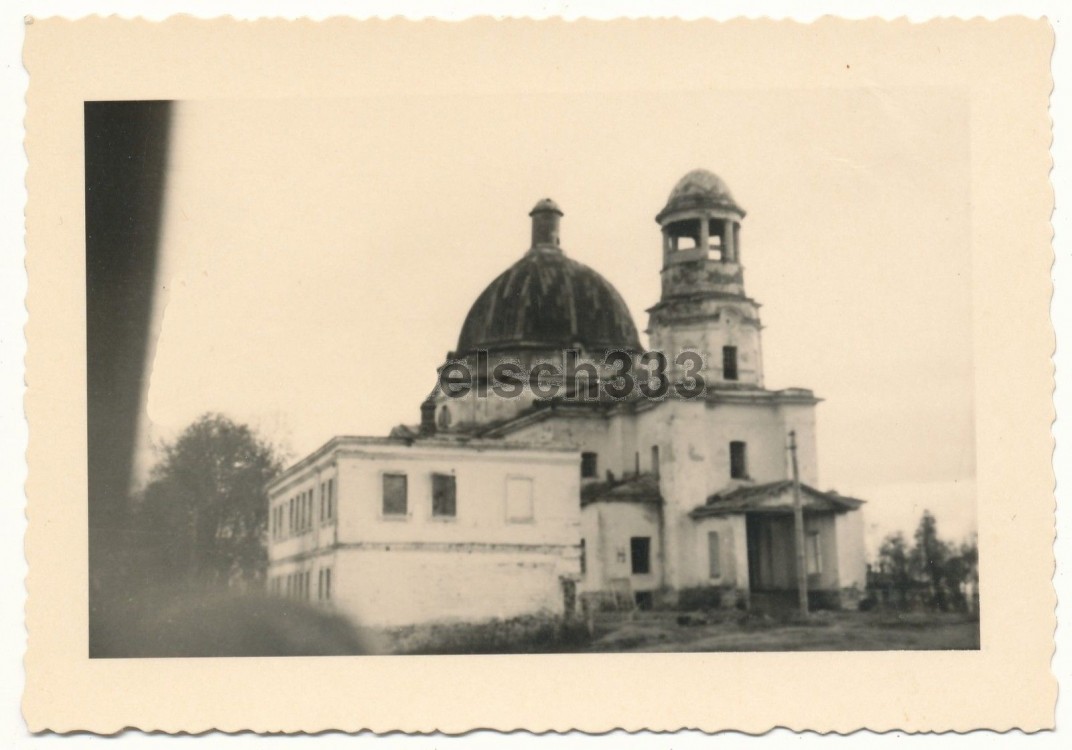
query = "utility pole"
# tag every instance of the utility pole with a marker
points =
(798, 528)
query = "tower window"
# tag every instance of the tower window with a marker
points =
(640, 554)
(444, 496)
(589, 465)
(729, 363)
(738, 460)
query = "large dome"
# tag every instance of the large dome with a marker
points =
(699, 189)
(548, 301)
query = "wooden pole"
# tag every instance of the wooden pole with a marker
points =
(798, 527)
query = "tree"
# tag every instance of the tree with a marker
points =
(961, 572)
(893, 557)
(929, 559)
(204, 513)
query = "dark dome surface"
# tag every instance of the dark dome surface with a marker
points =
(548, 301)
(699, 189)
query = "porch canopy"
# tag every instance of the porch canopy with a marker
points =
(774, 497)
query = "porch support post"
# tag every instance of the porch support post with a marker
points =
(798, 524)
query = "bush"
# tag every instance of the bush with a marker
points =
(699, 598)
(529, 634)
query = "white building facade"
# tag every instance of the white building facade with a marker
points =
(633, 498)
(395, 531)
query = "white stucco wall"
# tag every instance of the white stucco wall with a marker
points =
(384, 586)
(607, 528)
(852, 560)
(390, 570)
(733, 554)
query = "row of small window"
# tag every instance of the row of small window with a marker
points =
(738, 461)
(395, 501)
(297, 585)
(295, 516)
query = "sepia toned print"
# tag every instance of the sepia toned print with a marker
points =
(361, 380)
(617, 496)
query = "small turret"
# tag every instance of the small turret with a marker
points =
(545, 221)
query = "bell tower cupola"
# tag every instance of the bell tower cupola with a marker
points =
(701, 226)
(703, 306)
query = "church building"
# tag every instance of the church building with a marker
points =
(606, 475)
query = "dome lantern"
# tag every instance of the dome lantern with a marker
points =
(546, 216)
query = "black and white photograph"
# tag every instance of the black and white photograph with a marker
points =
(530, 360)
(531, 373)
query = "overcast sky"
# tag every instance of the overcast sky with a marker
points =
(321, 255)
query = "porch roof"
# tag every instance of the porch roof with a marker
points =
(774, 497)
(642, 488)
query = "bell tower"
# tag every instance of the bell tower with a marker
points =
(703, 307)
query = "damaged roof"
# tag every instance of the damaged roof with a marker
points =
(643, 488)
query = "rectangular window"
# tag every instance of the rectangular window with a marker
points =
(395, 502)
(305, 592)
(738, 460)
(640, 554)
(444, 495)
(291, 523)
(331, 499)
(584, 558)
(714, 561)
(323, 501)
(589, 465)
(814, 554)
(655, 460)
(327, 584)
(729, 363)
(518, 500)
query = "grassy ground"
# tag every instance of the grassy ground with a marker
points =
(823, 631)
(726, 630)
